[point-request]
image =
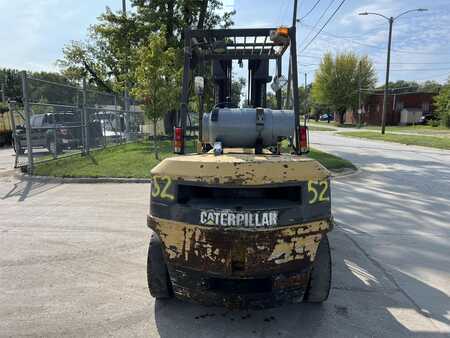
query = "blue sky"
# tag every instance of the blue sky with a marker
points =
(34, 31)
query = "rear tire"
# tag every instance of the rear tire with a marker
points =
(320, 277)
(53, 148)
(18, 148)
(157, 275)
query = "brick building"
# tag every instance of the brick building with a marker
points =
(397, 103)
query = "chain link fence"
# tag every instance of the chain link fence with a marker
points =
(56, 120)
(5, 124)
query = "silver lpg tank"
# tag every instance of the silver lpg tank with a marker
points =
(242, 127)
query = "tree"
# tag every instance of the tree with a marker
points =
(303, 95)
(39, 91)
(87, 60)
(338, 79)
(236, 91)
(109, 57)
(11, 80)
(157, 80)
(431, 87)
(442, 104)
(402, 86)
(176, 15)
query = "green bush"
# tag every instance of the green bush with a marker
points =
(442, 104)
(3, 108)
(435, 123)
(445, 118)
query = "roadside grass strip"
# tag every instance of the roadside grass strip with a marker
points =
(135, 160)
(417, 140)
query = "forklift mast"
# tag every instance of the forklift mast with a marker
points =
(220, 47)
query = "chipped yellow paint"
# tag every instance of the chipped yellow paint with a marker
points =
(241, 169)
(182, 240)
(186, 241)
(295, 248)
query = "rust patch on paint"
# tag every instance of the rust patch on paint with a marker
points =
(238, 252)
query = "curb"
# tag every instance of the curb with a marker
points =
(347, 174)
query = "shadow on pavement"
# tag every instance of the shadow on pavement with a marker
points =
(363, 303)
(25, 188)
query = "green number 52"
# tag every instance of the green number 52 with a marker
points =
(318, 191)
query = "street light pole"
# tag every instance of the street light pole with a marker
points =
(386, 86)
(388, 63)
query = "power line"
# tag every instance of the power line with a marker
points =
(310, 11)
(416, 63)
(320, 18)
(418, 70)
(394, 63)
(326, 23)
(311, 28)
(283, 10)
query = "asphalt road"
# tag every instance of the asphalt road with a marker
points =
(73, 257)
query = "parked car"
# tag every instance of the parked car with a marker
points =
(426, 118)
(326, 117)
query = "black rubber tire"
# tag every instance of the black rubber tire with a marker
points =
(54, 148)
(157, 275)
(320, 277)
(18, 148)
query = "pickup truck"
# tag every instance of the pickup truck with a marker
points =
(43, 129)
(65, 126)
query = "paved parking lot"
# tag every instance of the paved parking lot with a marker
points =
(6, 160)
(73, 263)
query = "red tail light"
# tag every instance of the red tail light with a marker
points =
(303, 140)
(178, 146)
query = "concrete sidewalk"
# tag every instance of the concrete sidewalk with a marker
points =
(73, 263)
(7, 156)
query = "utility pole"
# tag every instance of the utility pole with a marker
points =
(359, 94)
(388, 63)
(306, 95)
(294, 70)
(125, 104)
(203, 11)
(287, 103)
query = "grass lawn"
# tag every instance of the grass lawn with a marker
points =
(135, 160)
(417, 140)
(331, 162)
(417, 129)
(320, 128)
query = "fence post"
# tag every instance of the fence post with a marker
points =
(26, 107)
(126, 115)
(117, 118)
(85, 121)
(55, 138)
(12, 123)
(80, 110)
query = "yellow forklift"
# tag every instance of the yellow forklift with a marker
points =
(240, 223)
